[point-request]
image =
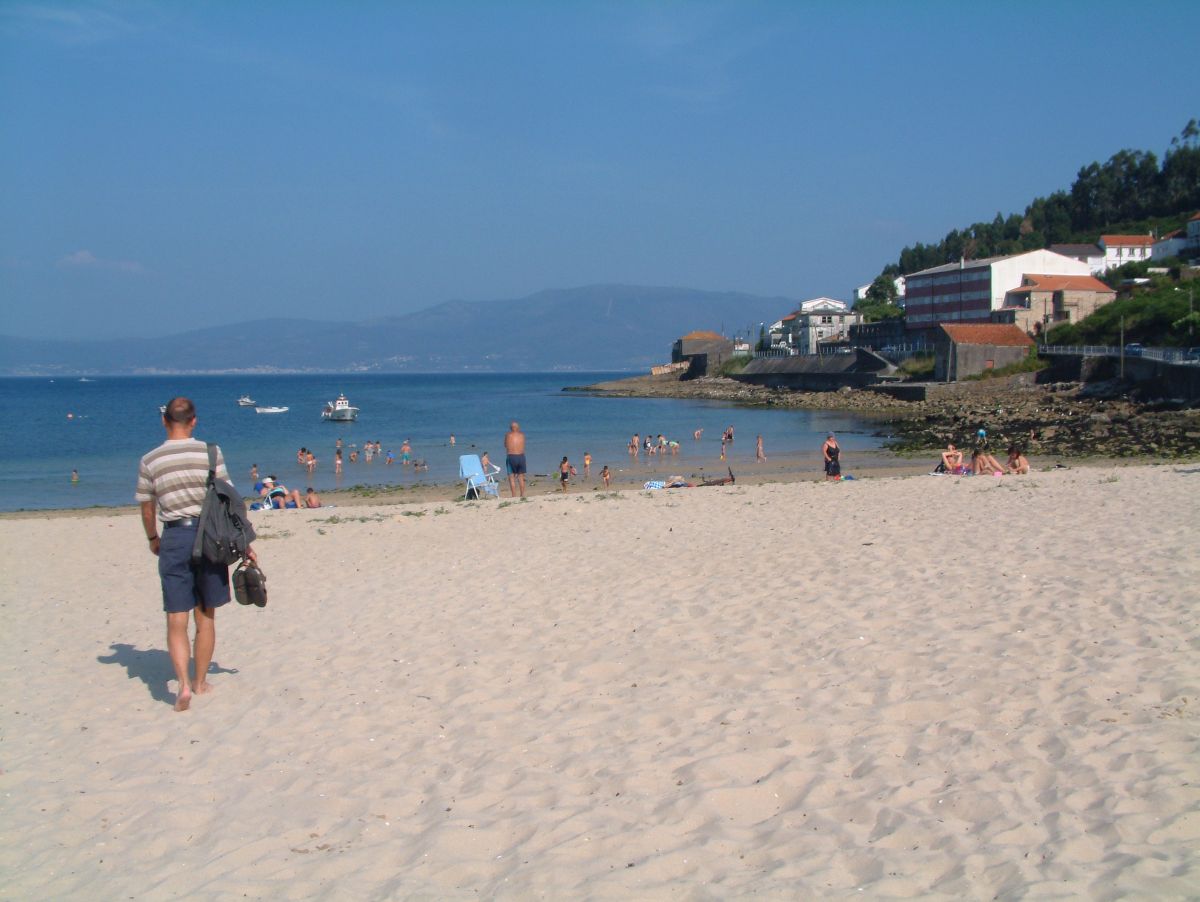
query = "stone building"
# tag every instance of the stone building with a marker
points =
(967, 349)
(1043, 301)
(705, 351)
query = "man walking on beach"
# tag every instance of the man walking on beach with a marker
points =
(172, 481)
(514, 444)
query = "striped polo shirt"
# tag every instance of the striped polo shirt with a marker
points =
(175, 474)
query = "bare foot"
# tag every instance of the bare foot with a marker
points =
(202, 688)
(183, 699)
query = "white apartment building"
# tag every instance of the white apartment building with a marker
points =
(815, 321)
(968, 291)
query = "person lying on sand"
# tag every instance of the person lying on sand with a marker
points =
(279, 496)
(729, 480)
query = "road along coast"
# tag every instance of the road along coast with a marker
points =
(1062, 420)
(627, 695)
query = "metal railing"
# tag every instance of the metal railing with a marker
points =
(1163, 355)
(898, 353)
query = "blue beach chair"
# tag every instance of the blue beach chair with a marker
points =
(478, 483)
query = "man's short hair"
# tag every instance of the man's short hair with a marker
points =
(180, 410)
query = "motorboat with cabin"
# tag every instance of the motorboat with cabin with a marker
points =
(339, 411)
(247, 401)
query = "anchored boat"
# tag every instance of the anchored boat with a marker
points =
(339, 411)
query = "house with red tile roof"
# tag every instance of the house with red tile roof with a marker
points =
(968, 349)
(1042, 301)
(1122, 249)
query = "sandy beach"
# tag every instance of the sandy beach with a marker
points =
(893, 687)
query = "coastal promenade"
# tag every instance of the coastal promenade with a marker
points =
(935, 687)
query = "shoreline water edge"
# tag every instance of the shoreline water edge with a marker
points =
(1058, 425)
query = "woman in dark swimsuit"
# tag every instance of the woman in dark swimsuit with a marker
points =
(831, 451)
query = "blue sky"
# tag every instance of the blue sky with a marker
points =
(170, 165)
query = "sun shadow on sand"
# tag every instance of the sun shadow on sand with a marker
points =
(152, 666)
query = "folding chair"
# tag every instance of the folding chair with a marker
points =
(477, 483)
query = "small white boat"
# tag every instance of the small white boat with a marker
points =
(270, 410)
(246, 401)
(339, 411)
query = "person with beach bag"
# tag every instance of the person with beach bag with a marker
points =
(224, 536)
(172, 486)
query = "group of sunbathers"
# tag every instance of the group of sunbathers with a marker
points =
(982, 461)
(274, 494)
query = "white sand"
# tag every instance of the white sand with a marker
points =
(952, 688)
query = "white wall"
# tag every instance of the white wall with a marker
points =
(1119, 256)
(1007, 274)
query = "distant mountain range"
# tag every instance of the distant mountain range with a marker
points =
(599, 327)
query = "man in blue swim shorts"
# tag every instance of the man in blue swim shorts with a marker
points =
(514, 444)
(172, 481)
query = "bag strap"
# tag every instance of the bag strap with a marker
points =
(212, 464)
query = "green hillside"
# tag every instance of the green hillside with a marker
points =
(1131, 193)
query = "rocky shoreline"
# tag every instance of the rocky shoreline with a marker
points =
(1062, 419)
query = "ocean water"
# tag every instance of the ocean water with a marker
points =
(102, 426)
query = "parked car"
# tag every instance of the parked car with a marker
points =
(1134, 349)
(1191, 355)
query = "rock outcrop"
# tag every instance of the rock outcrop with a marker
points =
(1061, 420)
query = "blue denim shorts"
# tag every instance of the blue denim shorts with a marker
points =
(185, 587)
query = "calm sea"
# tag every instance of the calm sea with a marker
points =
(101, 427)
